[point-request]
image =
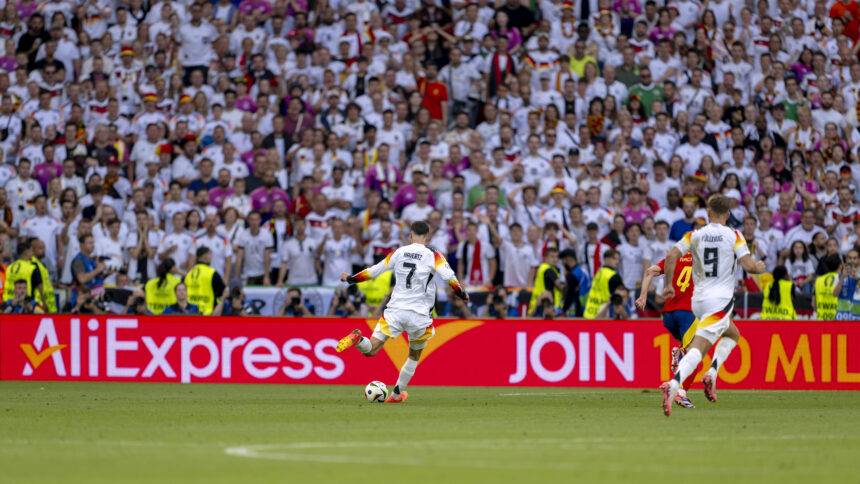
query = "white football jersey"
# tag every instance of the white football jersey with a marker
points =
(414, 267)
(716, 249)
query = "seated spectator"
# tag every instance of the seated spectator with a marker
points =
(181, 306)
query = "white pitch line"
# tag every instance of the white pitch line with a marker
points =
(281, 451)
(287, 451)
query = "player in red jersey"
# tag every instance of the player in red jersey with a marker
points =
(678, 317)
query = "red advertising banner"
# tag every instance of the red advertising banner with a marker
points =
(785, 355)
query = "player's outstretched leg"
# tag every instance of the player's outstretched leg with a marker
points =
(367, 346)
(348, 341)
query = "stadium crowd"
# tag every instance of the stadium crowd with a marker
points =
(185, 151)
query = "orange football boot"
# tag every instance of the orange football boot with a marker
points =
(400, 399)
(348, 341)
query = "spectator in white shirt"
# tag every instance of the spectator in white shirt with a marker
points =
(177, 243)
(255, 251)
(298, 258)
(336, 253)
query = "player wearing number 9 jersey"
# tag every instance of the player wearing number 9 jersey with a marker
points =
(678, 317)
(408, 311)
(715, 249)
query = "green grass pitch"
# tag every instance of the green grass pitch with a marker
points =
(118, 432)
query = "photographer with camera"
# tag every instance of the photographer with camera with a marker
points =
(545, 307)
(232, 303)
(497, 305)
(348, 302)
(136, 306)
(618, 306)
(89, 302)
(20, 302)
(455, 307)
(295, 306)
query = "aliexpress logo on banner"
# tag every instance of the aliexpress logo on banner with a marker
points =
(45, 335)
(258, 355)
(36, 359)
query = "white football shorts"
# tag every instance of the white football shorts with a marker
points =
(715, 317)
(418, 327)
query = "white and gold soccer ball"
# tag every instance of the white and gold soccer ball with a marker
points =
(376, 392)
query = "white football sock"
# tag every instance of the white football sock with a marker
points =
(721, 354)
(364, 345)
(686, 367)
(405, 375)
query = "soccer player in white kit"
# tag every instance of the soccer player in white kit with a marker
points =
(412, 300)
(716, 249)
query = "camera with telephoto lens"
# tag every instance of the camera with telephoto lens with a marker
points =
(101, 300)
(616, 300)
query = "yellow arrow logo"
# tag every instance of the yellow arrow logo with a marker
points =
(397, 349)
(37, 359)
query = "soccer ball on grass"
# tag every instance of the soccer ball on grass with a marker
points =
(376, 392)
